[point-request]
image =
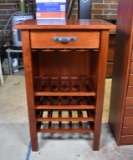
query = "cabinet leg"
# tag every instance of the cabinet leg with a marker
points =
(34, 143)
(96, 139)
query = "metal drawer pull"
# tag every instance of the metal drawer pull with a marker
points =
(64, 39)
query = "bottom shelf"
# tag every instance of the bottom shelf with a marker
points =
(65, 121)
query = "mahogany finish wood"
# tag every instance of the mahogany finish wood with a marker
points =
(110, 58)
(121, 105)
(65, 77)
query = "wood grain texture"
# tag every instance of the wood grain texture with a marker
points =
(29, 87)
(46, 63)
(121, 70)
(66, 24)
(130, 91)
(127, 131)
(44, 39)
(126, 140)
(102, 62)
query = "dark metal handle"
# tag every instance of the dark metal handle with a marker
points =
(64, 39)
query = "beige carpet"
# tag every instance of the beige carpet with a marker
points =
(13, 107)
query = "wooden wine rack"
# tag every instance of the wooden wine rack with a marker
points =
(62, 95)
(65, 67)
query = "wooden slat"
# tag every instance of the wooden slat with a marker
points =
(66, 130)
(65, 119)
(70, 107)
(65, 94)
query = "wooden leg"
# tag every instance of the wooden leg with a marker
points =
(34, 143)
(96, 140)
(101, 59)
(29, 81)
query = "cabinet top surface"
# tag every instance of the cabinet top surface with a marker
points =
(65, 24)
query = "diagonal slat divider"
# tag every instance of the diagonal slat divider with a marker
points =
(49, 116)
(80, 115)
(70, 122)
(90, 115)
(60, 123)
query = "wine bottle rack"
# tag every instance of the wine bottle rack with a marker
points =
(65, 78)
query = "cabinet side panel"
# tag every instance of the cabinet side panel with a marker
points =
(121, 66)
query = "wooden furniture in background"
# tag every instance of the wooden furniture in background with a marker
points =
(65, 68)
(121, 105)
(110, 58)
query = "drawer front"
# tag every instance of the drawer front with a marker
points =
(126, 140)
(129, 102)
(85, 39)
(130, 91)
(128, 122)
(129, 112)
(127, 131)
(131, 79)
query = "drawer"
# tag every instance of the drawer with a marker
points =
(131, 68)
(128, 122)
(129, 102)
(85, 39)
(131, 79)
(129, 112)
(126, 140)
(111, 53)
(109, 70)
(130, 91)
(127, 131)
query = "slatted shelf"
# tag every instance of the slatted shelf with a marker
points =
(64, 86)
(65, 130)
(64, 103)
(64, 107)
(68, 118)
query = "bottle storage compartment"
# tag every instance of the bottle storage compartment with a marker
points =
(64, 90)
(64, 102)
(65, 121)
(64, 86)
